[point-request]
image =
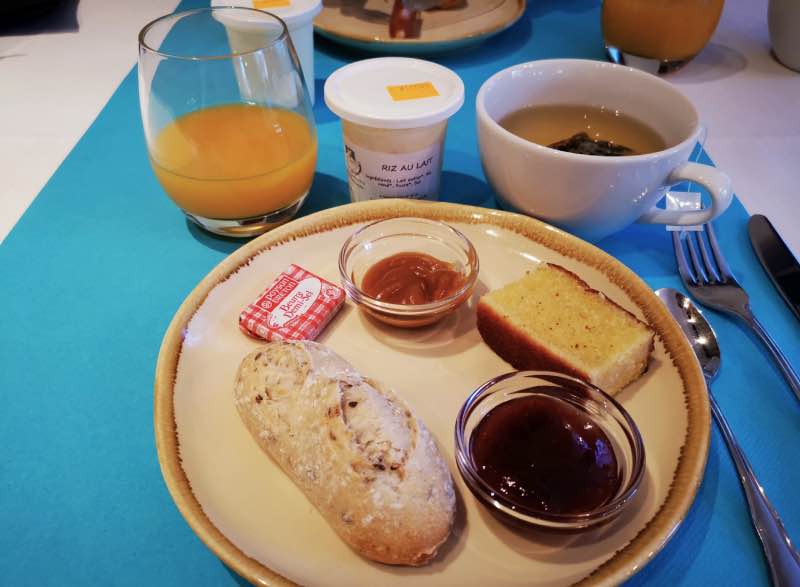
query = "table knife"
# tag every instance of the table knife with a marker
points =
(777, 260)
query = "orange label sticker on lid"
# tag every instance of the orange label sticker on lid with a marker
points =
(271, 3)
(412, 91)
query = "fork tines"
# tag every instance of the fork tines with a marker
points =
(706, 267)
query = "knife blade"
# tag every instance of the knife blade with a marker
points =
(777, 260)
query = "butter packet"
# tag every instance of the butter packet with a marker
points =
(298, 305)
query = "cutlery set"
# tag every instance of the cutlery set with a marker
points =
(707, 276)
(709, 279)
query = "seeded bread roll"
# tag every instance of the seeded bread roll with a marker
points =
(354, 448)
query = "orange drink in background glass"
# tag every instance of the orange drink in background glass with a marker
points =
(665, 33)
(227, 119)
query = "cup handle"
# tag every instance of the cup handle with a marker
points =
(715, 181)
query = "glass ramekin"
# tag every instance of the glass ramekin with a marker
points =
(384, 238)
(602, 409)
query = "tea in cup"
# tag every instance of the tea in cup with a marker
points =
(590, 146)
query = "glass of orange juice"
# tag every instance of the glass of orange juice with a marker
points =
(227, 118)
(658, 36)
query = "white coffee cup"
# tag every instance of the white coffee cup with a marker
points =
(593, 196)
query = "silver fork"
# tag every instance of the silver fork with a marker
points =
(709, 279)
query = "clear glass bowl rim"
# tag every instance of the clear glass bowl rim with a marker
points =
(184, 13)
(408, 310)
(535, 517)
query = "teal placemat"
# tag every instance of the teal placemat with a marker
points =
(95, 269)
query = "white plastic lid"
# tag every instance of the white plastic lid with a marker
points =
(295, 13)
(394, 92)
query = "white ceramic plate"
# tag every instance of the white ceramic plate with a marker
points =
(253, 517)
(364, 24)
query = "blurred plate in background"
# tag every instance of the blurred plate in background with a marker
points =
(364, 24)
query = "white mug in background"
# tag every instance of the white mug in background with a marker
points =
(298, 16)
(587, 195)
(784, 31)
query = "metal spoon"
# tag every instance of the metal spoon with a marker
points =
(782, 558)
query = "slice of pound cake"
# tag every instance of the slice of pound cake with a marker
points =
(551, 319)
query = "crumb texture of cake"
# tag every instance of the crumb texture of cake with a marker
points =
(551, 319)
(354, 448)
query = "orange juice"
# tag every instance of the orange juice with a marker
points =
(667, 30)
(236, 160)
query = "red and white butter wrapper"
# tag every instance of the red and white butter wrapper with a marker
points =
(297, 306)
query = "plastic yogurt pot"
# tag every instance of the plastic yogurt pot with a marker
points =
(394, 113)
(299, 18)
